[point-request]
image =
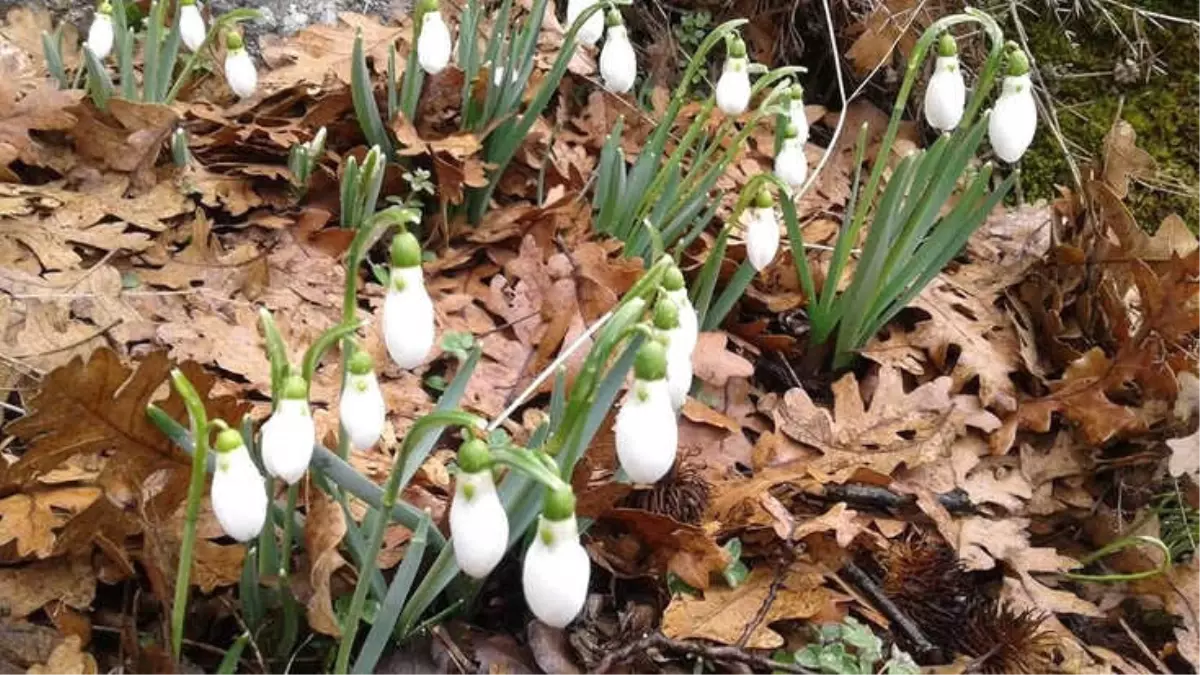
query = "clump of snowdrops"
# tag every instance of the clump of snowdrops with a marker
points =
(110, 35)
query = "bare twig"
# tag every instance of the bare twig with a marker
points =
(765, 607)
(696, 649)
(922, 646)
(1158, 663)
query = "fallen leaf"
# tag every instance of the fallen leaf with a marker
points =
(323, 532)
(839, 519)
(31, 518)
(67, 657)
(26, 589)
(713, 363)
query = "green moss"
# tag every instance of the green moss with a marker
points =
(1078, 66)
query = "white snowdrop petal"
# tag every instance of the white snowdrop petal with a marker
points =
(1014, 119)
(762, 237)
(100, 36)
(689, 323)
(679, 369)
(946, 95)
(618, 62)
(733, 87)
(791, 164)
(191, 27)
(362, 410)
(647, 431)
(434, 45)
(239, 497)
(799, 119)
(240, 73)
(408, 326)
(287, 440)
(478, 524)
(556, 574)
(591, 30)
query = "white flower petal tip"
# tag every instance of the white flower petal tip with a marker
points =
(287, 440)
(946, 95)
(478, 524)
(408, 323)
(434, 45)
(239, 497)
(791, 164)
(1013, 121)
(191, 26)
(689, 323)
(618, 62)
(362, 410)
(799, 120)
(761, 235)
(100, 35)
(240, 72)
(556, 572)
(679, 370)
(733, 87)
(647, 431)
(593, 28)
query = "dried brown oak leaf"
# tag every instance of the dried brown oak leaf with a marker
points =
(723, 614)
(68, 657)
(321, 50)
(41, 109)
(26, 589)
(323, 532)
(911, 428)
(30, 519)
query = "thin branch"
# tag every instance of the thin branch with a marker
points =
(697, 649)
(921, 644)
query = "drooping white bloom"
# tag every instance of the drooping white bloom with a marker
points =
(796, 115)
(679, 369)
(791, 164)
(733, 88)
(287, 440)
(434, 45)
(191, 25)
(556, 572)
(762, 232)
(1014, 119)
(408, 326)
(946, 95)
(361, 409)
(239, 67)
(100, 33)
(618, 62)
(591, 30)
(646, 429)
(477, 523)
(689, 323)
(239, 498)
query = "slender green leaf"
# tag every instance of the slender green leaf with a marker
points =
(733, 290)
(393, 603)
(363, 94)
(229, 662)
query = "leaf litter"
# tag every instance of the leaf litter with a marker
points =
(1038, 375)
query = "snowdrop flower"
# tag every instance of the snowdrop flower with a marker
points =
(946, 94)
(591, 30)
(679, 352)
(791, 165)
(191, 25)
(689, 324)
(239, 67)
(1014, 119)
(646, 429)
(407, 310)
(361, 409)
(733, 88)
(239, 498)
(762, 231)
(618, 62)
(796, 115)
(557, 570)
(289, 435)
(100, 34)
(477, 519)
(433, 43)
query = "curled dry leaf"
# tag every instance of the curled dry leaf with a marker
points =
(323, 532)
(67, 657)
(25, 590)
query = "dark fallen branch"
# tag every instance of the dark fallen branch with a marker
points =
(925, 650)
(873, 496)
(697, 649)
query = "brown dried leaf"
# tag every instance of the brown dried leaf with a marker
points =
(724, 613)
(67, 657)
(26, 589)
(44, 108)
(320, 51)
(712, 362)
(31, 518)
(1123, 160)
(323, 532)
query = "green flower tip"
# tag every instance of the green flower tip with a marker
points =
(187, 3)
(406, 250)
(673, 279)
(294, 387)
(946, 45)
(233, 41)
(790, 131)
(473, 456)
(666, 314)
(763, 199)
(105, 8)
(361, 363)
(1018, 63)
(651, 360)
(737, 48)
(559, 504)
(796, 92)
(613, 18)
(428, 6)
(228, 440)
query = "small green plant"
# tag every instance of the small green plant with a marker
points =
(692, 29)
(1178, 522)
(303, 158)
(849, 647)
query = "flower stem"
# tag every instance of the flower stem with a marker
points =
(198, 420)
(391, 490)
(291, 624)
